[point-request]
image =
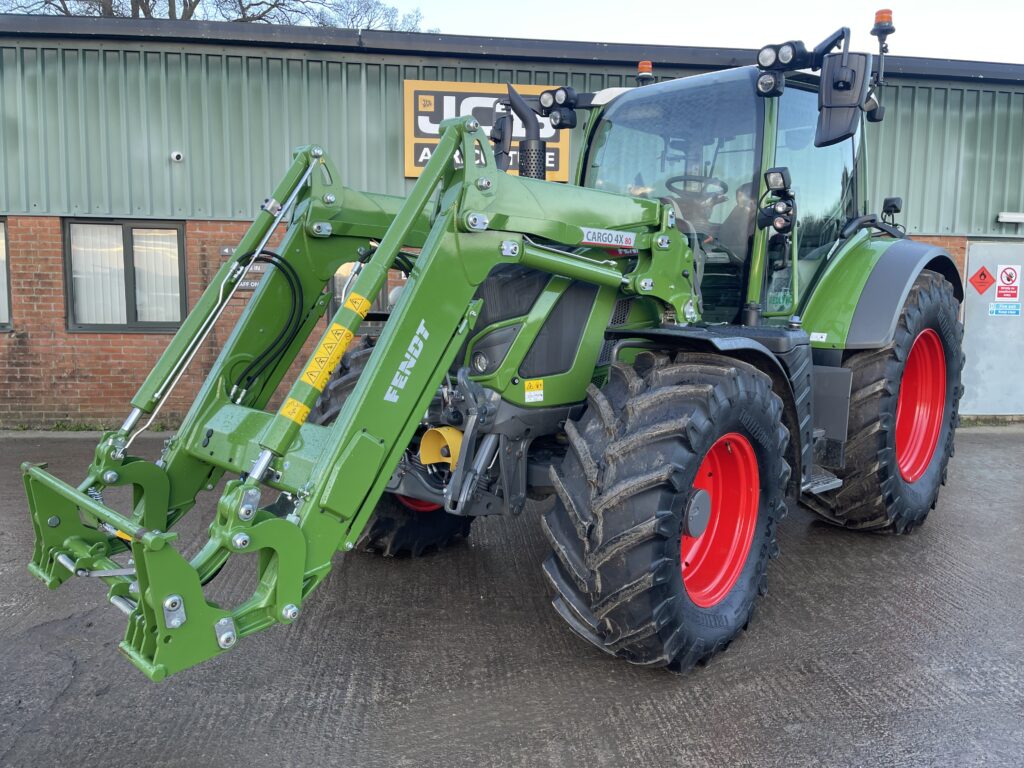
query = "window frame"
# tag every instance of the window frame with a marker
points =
(855, 142)
(133, 324)
(7, 325)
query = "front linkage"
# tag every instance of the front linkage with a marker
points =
(465, 221)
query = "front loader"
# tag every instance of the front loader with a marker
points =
(701, 331)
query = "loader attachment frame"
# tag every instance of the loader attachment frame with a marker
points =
(331, 477)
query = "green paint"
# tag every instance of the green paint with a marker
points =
(335, 475)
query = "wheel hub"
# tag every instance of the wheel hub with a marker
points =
(921, 405)
(728, 485)
(698, 513)
(417, 505)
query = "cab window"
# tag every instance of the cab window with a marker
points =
(823, 177)
(693, 142)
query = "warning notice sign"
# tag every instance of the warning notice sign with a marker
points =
(982, 280)
(1008, 282)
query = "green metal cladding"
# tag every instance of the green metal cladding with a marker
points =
(954, 152)
(87, 128)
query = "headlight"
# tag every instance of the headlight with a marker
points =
(556, 118)
(547, 99)
(480, 362)
(766, 57)
(786, 53)
(780, 223)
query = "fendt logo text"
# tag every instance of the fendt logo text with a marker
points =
(412, 355)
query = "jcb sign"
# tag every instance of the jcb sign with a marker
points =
(428, 102)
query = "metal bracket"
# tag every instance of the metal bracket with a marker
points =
(225, 631)
(174, 611)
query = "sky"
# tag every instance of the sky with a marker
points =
(981, 30)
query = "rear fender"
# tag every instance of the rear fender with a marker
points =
(857, 301)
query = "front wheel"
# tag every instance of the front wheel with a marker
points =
(400, 525)
(666, 508)
(904, 410)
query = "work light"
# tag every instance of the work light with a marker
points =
(786, 53)
(565, 97)
(562, 117)
(547, 99)
(777, 179)
(770, 83)
(766, 57)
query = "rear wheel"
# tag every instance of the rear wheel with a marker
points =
(904, 409)
(666, 508)
(400, 525)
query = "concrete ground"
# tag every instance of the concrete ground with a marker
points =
(867, 651)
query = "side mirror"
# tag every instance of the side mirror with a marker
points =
(843, 90)
(892, 205)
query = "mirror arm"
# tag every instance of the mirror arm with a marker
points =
(839, 36)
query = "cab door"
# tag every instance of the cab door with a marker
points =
(824, 181)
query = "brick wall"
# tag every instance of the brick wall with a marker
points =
(50, 376)
(954, 245)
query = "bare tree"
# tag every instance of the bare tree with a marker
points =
(373, 14)
(350, 14)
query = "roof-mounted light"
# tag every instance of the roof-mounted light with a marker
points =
(767, 57)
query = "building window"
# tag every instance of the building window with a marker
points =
(5, 279)
(127, 274)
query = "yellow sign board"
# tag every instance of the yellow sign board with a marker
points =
(428, 102)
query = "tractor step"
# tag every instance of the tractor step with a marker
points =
(820, 480)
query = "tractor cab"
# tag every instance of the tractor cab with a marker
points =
(705, 145)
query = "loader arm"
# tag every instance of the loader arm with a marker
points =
(331, 477)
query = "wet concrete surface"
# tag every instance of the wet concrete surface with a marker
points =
(867, 651)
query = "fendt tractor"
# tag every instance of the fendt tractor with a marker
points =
(704, 329)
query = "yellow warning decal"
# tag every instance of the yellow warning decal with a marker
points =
(327, 357)
(358, 304)
(294, 410)
(534, 389)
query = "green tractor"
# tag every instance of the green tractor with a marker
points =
(702, 331)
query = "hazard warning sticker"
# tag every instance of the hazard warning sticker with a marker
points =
(1008, 282)
(534, 389)
(982, 280)
(327, 357)
(358, 304)
(295, 411)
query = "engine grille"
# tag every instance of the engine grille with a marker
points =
(619, 316)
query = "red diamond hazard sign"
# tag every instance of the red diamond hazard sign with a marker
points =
(982, 280)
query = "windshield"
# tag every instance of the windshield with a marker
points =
(694, 142)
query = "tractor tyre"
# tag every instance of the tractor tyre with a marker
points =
(400, 526)
(904, 410)
(666, 508)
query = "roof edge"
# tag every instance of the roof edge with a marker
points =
(470, 46)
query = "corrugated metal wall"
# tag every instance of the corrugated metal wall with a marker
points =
(953, 152)
(89, 131)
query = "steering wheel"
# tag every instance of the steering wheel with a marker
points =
(718, 186)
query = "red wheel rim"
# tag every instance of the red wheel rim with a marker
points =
(713, 561)
(416, 505)
(921, 404)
